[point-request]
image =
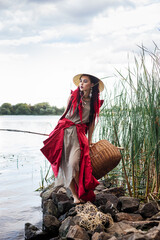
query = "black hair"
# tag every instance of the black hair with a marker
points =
(94, 103)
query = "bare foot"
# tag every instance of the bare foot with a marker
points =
(76, 200)
(82, 201)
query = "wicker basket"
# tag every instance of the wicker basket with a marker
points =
(104, 157)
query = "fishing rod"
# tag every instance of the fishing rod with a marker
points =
(22, 131)
(43, 134)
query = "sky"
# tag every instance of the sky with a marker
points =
(44, 43)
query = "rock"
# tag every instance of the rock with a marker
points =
(76, 232)
(103, 198)
(62, 190)
(144, 225)
(134, 236)
(109, 208)
(122, 216)
(117, 191)
(128, 204)
(50, 208)
(51, 186)
(64, 206)
(154, 233)
(119, 229)
(155, 217)
(58, 197)
(101, 236)
(112, 238)
(72, 212)
(63, 217)
(64, 228)
(47, 195)
(100, 187)
(99, 228)
(51, 224)
(149, 209)
(32, 232)
(136, 217)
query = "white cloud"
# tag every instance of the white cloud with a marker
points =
(44, 44)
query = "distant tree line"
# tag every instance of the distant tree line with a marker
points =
(26, 109)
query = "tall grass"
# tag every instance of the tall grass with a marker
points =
(131, 119)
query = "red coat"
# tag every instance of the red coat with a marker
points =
(52, 150)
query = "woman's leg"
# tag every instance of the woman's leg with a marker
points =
(73, 190)
(74, 193)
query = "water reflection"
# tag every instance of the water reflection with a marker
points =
(20, 164)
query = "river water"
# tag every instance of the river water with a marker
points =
(21, 168)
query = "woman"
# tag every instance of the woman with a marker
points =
(67, 147)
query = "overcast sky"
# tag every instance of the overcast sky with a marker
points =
(44, 43)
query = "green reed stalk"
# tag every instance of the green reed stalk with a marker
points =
(131, 119)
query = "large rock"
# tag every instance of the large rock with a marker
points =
(128, 204)
(108, 208)
(120, 216)
(77, 232)
(149, 209)
(34, 233)
(64, 228)
(119, 229)
(46, 195)
(117, 191)
(103, 198)
(50, 208)
(51, 224)
(58, 197)
(64, 206)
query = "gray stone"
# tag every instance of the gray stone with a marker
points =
(34, 233)
(110, 208)
(64, 228)
(103, 198)
(76, 232)
(57, 197)
(72, 212)
(149, 209)
(50, 224)
(50, 208)
(47, 195)
(64, 206)
(128, 204)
